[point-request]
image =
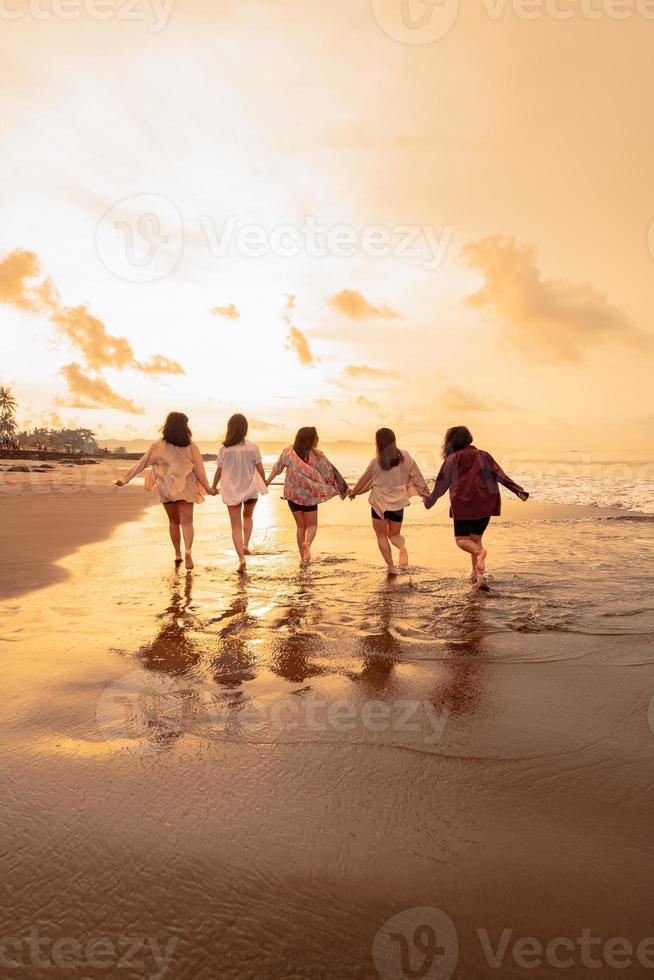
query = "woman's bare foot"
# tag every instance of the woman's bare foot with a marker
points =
(246, 551)
(474, 578)
(404, 557)
(188, 561)
(482, 584)
(306, 554)
(242, 566)
(178, 559)
(392, 571)
(481, 561)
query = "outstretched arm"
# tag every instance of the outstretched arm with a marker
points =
(199, 469)
(363, 484)
(417, 479)
(343, 488)
(277, 469)
(505, 480)
(142, 464)
(442, 484)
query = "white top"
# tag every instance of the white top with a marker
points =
(240, 480)
(178, 472)
(391, 489)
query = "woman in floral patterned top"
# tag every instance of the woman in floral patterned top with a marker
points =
(310, 480)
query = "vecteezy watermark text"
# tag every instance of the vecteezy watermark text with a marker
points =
(415, 22)
(155, 14)
(41, 952)
(141, 239)
(423, 942)
(141, 705)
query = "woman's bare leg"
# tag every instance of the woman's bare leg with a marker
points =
(480, 561)
(396, 538)
(186, 520)
(381, 530)
(310, 531)
(174, 529)
(237, 534)
(472, 544)
(298, 517)
(248, 524)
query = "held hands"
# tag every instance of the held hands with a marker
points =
(213, 491)
(119, 483)
(523, 496)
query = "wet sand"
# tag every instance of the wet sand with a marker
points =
(41, 528)
(261, 772)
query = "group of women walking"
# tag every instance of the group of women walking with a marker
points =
(177, 472)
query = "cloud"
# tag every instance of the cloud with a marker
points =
(364, 371)
(364, 402)
(455, 399)
(89, 335)
(322, 403)
(296, 340)
(156, 364)
(100, 350)
(551, 320)
(15, 270)
(262, 426)
(88, 392)
(352, 304)
(23, 286)
(227, 312)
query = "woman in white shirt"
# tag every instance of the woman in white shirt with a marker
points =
(242, 478)
(392, 477)
(178, 473)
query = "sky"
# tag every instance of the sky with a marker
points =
(344, 214)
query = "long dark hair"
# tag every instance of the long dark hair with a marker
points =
(237, 429)
(387, 451)
(175, 429)
(305, 440)
(456, 438)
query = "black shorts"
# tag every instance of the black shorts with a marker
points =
(396, 516)
(302, 508)
(463, 529)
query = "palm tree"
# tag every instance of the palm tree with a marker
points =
(8, 403)
(8, 406)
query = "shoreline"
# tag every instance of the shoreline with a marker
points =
(41, 528)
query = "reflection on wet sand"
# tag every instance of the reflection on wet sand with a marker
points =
(296, 638)
(379, 648)
(235, 661)
(174, 648)
(459, 689)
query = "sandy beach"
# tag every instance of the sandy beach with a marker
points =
(255, 775)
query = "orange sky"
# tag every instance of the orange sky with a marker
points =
(321, 214)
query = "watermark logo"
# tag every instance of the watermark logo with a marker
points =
(155, 14)
(139, 704)
(141, 238)
(34, 952)
(416, 944)
(416, 21)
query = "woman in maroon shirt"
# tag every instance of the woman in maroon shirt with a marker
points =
(472, 476)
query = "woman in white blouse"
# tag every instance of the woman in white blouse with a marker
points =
(178, 473)
(240, 472)
(392, 477)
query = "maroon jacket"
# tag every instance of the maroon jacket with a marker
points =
(472, 476)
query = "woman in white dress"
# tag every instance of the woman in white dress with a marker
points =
(241, 475)
(392, 477)
(178, 473)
